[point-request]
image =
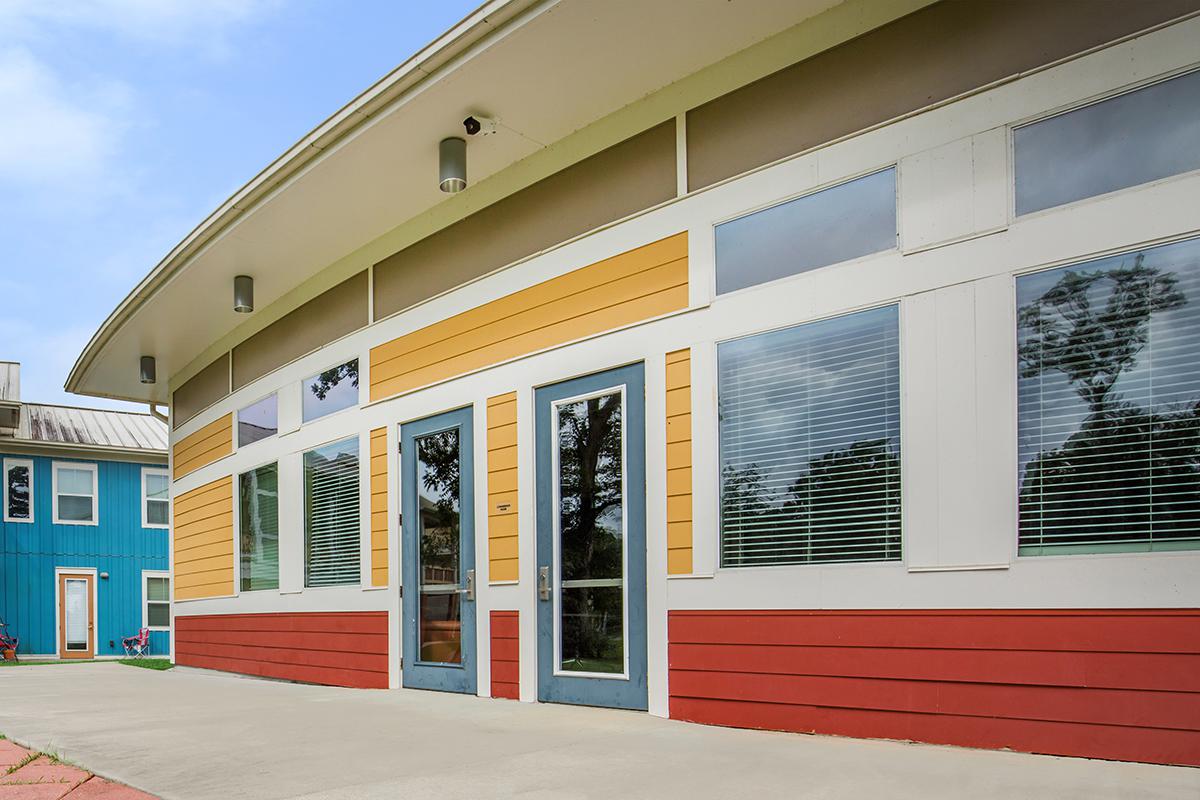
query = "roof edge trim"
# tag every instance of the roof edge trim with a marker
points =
(488, 19)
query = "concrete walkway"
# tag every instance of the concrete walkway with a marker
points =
(190, 734)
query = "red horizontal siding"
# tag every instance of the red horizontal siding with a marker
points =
(506, 658)
(337, 649)
(1121, 684)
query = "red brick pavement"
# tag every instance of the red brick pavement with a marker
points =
(26, 775)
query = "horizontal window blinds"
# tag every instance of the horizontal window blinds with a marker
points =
(810, 443)
(1109, 403)
(331, 514)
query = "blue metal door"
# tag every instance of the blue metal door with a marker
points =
(438, 549)
(591, 539)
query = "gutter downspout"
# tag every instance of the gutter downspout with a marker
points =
(154, 412)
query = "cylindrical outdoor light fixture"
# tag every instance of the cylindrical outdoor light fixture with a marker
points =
(243, 294)
(452, 165)
(149, 373)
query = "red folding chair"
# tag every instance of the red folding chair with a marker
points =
(7, 643)
(137, 646)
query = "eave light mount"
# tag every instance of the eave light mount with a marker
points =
(452, 164)
(243, 294)
(148, 370)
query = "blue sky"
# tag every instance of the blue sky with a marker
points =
(125, 122)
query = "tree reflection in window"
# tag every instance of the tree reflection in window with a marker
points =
(591, 530)
(440, 541)
(810, 443)
(1109, 394)
(18, 492)
(332, 390)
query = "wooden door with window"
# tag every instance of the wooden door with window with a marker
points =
(76, 633)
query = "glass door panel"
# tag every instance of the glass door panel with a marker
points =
(591, 540)
(589, 452)
(438, 550)
(440, 531)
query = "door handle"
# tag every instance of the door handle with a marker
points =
(543, 583)
(470, 591)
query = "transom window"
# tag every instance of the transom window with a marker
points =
(810, 442)
(1109, 403)
(329, 391)
(156, 498)
(1133, 138)
(846, 221)
(18, 490)
(75, 494)
(257, 421)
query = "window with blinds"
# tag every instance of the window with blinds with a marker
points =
(331, 514)
(810, 443)
(1109, 404)
(157, 615)
(258, 500)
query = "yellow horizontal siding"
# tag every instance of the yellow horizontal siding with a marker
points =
(203, 541)
(201, 448)
(679, 462)
(503, 564)
(379, 508)
(637, 285)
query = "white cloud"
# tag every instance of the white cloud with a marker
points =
(61, 134)
(202, 24)
(47, 353)
(53, 130)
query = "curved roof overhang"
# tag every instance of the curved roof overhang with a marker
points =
(544, 68)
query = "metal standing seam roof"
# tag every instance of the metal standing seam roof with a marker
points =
(90, 427)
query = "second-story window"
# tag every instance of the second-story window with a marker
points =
(156, 498)
(18, 490)
(75, 494)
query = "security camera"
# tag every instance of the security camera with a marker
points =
(479, 125)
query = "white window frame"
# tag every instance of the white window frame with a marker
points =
(9, 463)
(147, 471)
(147, 574)
(82, 465)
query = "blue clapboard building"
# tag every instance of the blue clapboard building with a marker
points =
(85, 527)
